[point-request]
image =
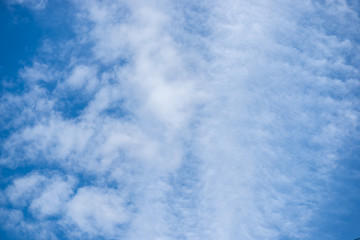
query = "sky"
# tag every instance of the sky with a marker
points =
(179, 120)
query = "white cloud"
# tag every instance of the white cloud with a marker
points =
(52, 199)
(24, 189)
(97, 211)
(38, 71)
(45, 196)
(82, 77)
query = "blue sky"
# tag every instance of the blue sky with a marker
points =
(179, 119)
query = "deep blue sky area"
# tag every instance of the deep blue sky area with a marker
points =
(21, 35)
(23, 31)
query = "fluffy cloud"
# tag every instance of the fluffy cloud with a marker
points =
(23, 189)
(98, 212)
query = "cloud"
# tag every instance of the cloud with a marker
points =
(35, 198)
(24, 188)
(39, 71)
(43, 194)
(34, 4)
(97, 211)
(211, 120)
(82, 77)
(51, 201)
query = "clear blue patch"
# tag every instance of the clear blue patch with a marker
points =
(72, 105)
(20, 38)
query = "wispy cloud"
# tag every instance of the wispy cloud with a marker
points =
(33, 4)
